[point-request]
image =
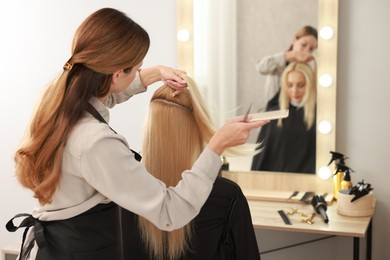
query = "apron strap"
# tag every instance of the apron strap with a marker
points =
(26, 223)
(90, 109)
(30, 221)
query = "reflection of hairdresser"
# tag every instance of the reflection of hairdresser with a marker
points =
(289, 144)
(178, 128)
(303, 44)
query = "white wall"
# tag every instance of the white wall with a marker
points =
(27, 63)
(363, 121)
(35, 43)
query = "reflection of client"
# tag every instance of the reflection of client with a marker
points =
(289, 144)
(176, 131)
(303, 44)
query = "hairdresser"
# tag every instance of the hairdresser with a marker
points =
(81, 171)
(303, 43)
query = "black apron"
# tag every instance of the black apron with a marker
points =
(93, 235)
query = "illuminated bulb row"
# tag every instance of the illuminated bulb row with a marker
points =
(325, 80)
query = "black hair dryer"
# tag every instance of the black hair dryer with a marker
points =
(319, 205)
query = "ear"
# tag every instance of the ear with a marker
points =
(116, 75)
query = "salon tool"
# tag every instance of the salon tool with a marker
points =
(285, 218)
(309, 220)
(247, 114)
(296, 211)
(270, 115)
(307, 196)
(295, 193)
(292, 212)
(360, 190)
(319, 204)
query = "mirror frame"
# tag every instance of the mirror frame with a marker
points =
(326, 64)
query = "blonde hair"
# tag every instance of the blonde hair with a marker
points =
(308, 102)
(105, 42)
(176, 132)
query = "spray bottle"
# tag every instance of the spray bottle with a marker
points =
(338, 176)
(346, 183)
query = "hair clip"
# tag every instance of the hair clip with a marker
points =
(68, 66)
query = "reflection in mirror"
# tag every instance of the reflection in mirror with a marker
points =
(265, 28)
(220, 65)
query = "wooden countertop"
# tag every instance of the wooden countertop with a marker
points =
(267, 192)
(265, 216)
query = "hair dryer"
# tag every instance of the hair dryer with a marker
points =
(319, 205)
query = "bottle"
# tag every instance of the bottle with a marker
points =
(337, 179)
(346, 183)
(339, 158)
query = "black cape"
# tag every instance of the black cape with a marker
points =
(290, 148)
(209, 240)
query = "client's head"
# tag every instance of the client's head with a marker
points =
(299, 89)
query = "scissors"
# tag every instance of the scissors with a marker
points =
(247, 114)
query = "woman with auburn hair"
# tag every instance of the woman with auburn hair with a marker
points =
(289, 144)
(177, 130)
(82, 172)
(303, 43)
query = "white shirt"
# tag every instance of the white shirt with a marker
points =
(272, 66)
(98, 167)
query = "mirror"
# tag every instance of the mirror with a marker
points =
(222, 72)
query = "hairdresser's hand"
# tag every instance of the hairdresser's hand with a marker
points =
(232, 133)
(172, 78)
(299, 56)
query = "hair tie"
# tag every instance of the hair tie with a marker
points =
(68, 66)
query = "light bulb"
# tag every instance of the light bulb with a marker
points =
(326, 80)
(326, 33)
(324, 172)
(183, 35)
(325, 127)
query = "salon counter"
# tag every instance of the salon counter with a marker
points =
(264, 209)
(268, 193)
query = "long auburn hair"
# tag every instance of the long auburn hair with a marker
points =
(309, 99)
(176, 132)
(306, 30)
(107, 41)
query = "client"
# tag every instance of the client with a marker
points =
(177, 130)
(289, 144)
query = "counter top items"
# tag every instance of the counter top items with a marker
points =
(269, 192)
(284, 216)
(358, 201)
(309, 220)
(284, 196)
(360, 190)
(319, 204)
(341, 177)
